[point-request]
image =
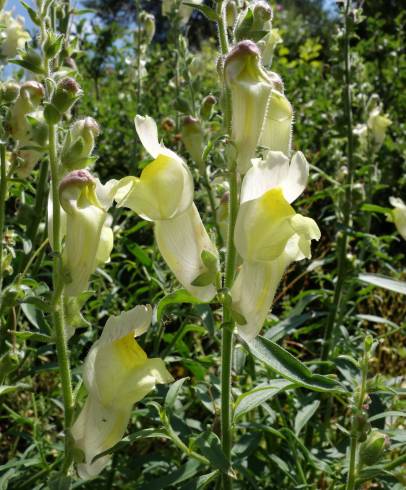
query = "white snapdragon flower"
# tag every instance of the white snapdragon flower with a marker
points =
(117, 374)
(262, 115)
(269, 234)
(13, 36)
(164, 194)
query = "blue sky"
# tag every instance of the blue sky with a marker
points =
(20, 10)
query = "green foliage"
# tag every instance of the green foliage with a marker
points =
(291, 411)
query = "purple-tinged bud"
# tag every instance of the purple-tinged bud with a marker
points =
(192, 137)
(207, 105)
(372, 450)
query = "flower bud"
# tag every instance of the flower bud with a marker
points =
(147, 24)
(231, 13)
(250, 89)
(168, 124)
(9, 92)
(192, 137)
(66, 94)
(79, 144)
(85, 219)
(378, 124)
(262, 13)
(207, 105)
(31, 93)
(254, 23)
(268, 44)
(53, 44)
(372, 450)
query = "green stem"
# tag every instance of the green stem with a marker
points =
(182, 446)
(209, 190)
(57, 300)
(342, 242)
(228, 323)
(3, 192)
(352, 467)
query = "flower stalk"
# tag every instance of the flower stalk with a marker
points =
(3, 191)
(57, 300)
(343, 238)
(228, 322)
(352, 473)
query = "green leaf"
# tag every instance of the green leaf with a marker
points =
(201, 482)
(204, 9)
(180, 475)
(238, 317)
(6, 389)
(209, 260)
(259, 395)
(304, 415)
(288, 325)
(141, 434)
(180, 296)
(373, 208)
(35, 336)
(282, 362)
(140, 254)
(204, 279)
(377, 319)
(173, 393)
(31, 12)
(59, 482)
(210, 446)
(29, 66)
(389, 413)
(384, 282)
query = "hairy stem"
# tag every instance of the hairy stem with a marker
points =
(352, 467)
(3, 192)
(57, 300)
(343, 239)
(228, 323)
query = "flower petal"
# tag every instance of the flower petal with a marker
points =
(148, 134)
(264, 175)
(296, 180)
(263, 226)
(136, 321)
(97, 429)
(181, 242)
(84, 228)
(163, 191)
(277, 131)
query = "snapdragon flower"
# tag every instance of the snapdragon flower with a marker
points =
(398, 215)
(378, 123)
(269, 234)
(117, 374)
(164, 194)
(13, 36)
(184, 10)
(262, 115)
(84, 220)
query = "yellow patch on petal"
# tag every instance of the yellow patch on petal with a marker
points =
(129, 351)
(275, 205)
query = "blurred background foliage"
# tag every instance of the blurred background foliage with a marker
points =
(175, 83)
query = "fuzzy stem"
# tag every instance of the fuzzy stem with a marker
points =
(57, 300)
(228, 323)
(3, 192)
(352, 467)
(343, 241)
